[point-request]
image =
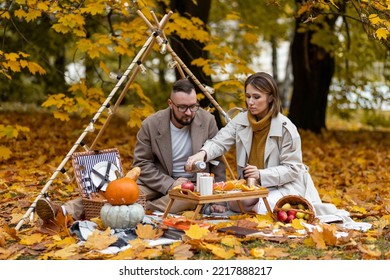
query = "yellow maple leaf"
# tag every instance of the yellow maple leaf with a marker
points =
(20, 13)
(13, 66)
(5, 153)
(297, 224)
(230, 241)
(11, 56)
(138, 244)
(32, 14)
(329, 234)
(5, 15)
(72, 20)
(382, 33)
(148, 232)
(94, 8)
(32, 239)
(318, 239)
(100, 240)
(35, 68)
(67, 252)
(60, 28)
(220, 251)
(43, 6)
(374, 18)
(61, 116)
(196, 232)
(65, 242)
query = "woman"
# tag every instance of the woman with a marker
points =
(268, 146)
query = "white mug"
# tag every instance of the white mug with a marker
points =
(206, 185)
(198, 175)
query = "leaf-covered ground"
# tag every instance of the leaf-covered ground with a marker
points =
(349, 167)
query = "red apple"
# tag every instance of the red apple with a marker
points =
(290, 218)
(292, 212)
(282, 215)
(188, 186)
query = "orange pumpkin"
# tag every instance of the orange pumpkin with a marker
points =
(122, 191)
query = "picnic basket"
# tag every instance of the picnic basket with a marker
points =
(294, 200)
(93, 171)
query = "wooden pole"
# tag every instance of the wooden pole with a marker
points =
(161, 25)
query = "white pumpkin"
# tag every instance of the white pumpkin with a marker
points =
(122, 216)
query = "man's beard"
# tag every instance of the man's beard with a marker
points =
(180, 121)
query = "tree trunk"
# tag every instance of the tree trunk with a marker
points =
(313, 69)
(188, 50)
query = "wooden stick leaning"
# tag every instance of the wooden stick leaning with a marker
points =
(86, 130)
(161, 25)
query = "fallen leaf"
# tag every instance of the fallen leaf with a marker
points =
(220, 252)
(230, 241)
(32, 239)
(196, 232)
(182, 252)
(297, 224)
(150, 253)
(67, 252)
(148, 232)
(127, 254)
(275, 252)
(370, 250)
(98, 240)
(257, 252)
(318, 239)
(246, 224)
(329, 234)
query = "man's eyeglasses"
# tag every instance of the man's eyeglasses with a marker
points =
(184, 108)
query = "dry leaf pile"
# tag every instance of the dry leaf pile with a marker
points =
(349, 168)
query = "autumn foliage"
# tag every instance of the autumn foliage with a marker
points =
(349, 168)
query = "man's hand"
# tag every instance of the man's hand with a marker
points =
(178, 182)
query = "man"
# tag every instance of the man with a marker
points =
(164, 142)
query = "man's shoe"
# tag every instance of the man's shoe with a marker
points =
(47, 210)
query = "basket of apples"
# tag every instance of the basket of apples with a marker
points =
(292, 207)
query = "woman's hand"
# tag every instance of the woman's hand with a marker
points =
(200, 156)
(251, 171)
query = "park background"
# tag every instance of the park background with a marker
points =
(330, 58)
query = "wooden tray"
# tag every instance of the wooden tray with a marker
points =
(217, 197)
